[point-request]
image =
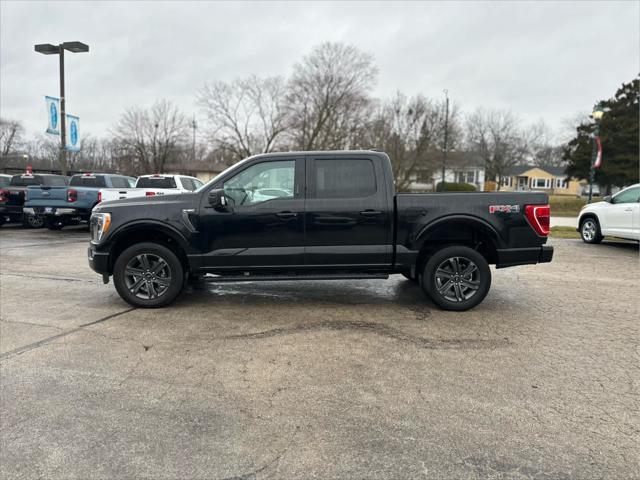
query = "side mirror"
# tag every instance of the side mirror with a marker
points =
(218, 200)
(607, 199)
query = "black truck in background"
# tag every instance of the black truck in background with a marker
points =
(13, 196)
(316, 215)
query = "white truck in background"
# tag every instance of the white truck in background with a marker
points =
(150, 185)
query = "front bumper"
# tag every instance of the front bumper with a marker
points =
(510, 257)
(98, 261)
(51, 211)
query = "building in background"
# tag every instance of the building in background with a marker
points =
(551, 180)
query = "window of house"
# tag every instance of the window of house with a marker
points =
(540, 183)
(561, 183)
(466, 176)
(506, 181)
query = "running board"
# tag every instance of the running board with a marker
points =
(272, 278)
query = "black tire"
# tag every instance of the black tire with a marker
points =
(590, 230)
(410, 278)
(55, 223)
(32, 221)
(148, 283)
(456, 278)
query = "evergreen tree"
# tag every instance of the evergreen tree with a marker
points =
(619, 134)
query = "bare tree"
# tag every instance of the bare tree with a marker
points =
(411, 131)
(246, 116)
(10, 135)
(544, 149)
(149, 138)
(495, 136)
(329, 95)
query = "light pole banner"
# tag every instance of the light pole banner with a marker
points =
(73, 133)
(53, 115)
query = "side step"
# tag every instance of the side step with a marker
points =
(272, 278)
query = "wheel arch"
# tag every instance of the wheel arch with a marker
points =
(457, 230)
(154, 232)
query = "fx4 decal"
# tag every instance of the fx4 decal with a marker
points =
(504, 208)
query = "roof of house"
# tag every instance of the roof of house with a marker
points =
(520, 169)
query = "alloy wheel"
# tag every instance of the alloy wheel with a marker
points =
(147, 276)
(589, 230)
(457, 279)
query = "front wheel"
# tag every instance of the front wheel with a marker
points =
(456, 278)
(590, 230)
(148, 275)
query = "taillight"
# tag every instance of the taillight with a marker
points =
(72, 195)
(99, 197)
(538, 217)
(150, 194)
(4, 196)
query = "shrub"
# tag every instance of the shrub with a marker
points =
(455, 187)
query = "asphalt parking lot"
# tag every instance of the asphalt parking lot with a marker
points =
(319, 379)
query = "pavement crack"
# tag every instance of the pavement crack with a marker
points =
(254, 474)
(45, 341)
(375, 328)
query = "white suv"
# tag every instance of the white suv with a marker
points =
(617, 216)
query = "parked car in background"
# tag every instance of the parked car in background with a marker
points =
(62, 205)
(13, 197)
(616, 216)
(149, 185)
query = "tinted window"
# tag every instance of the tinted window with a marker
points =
(258, 182)
(197, 183)
(156, 182)
(4, 181)
(54, 181)
(87, 181)
(120, 182)
(344, 178)
(187, 184)
(628, 196)
(25, 180)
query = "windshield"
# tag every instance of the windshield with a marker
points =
(4, 181)
(156, 182)
(87, 181)
(25, 180)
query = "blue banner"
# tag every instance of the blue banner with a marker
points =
(73, 133)
(53, 115)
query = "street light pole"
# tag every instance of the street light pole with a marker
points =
(49, 49)
(597, 115)
(63, 117)
(446, 138)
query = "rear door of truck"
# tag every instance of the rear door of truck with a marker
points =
(348, 218)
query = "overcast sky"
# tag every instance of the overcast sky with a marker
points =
(548, 60)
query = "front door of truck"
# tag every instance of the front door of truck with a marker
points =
(347, 217)
(264, 224)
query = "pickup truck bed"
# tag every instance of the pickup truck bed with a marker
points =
(313, 215)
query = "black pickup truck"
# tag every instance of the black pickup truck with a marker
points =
(313, 216)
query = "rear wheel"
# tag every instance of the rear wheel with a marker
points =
(32, 221)
(456, 278)
(590, 230)
(148, 275)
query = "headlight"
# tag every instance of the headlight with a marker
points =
(99, 224)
